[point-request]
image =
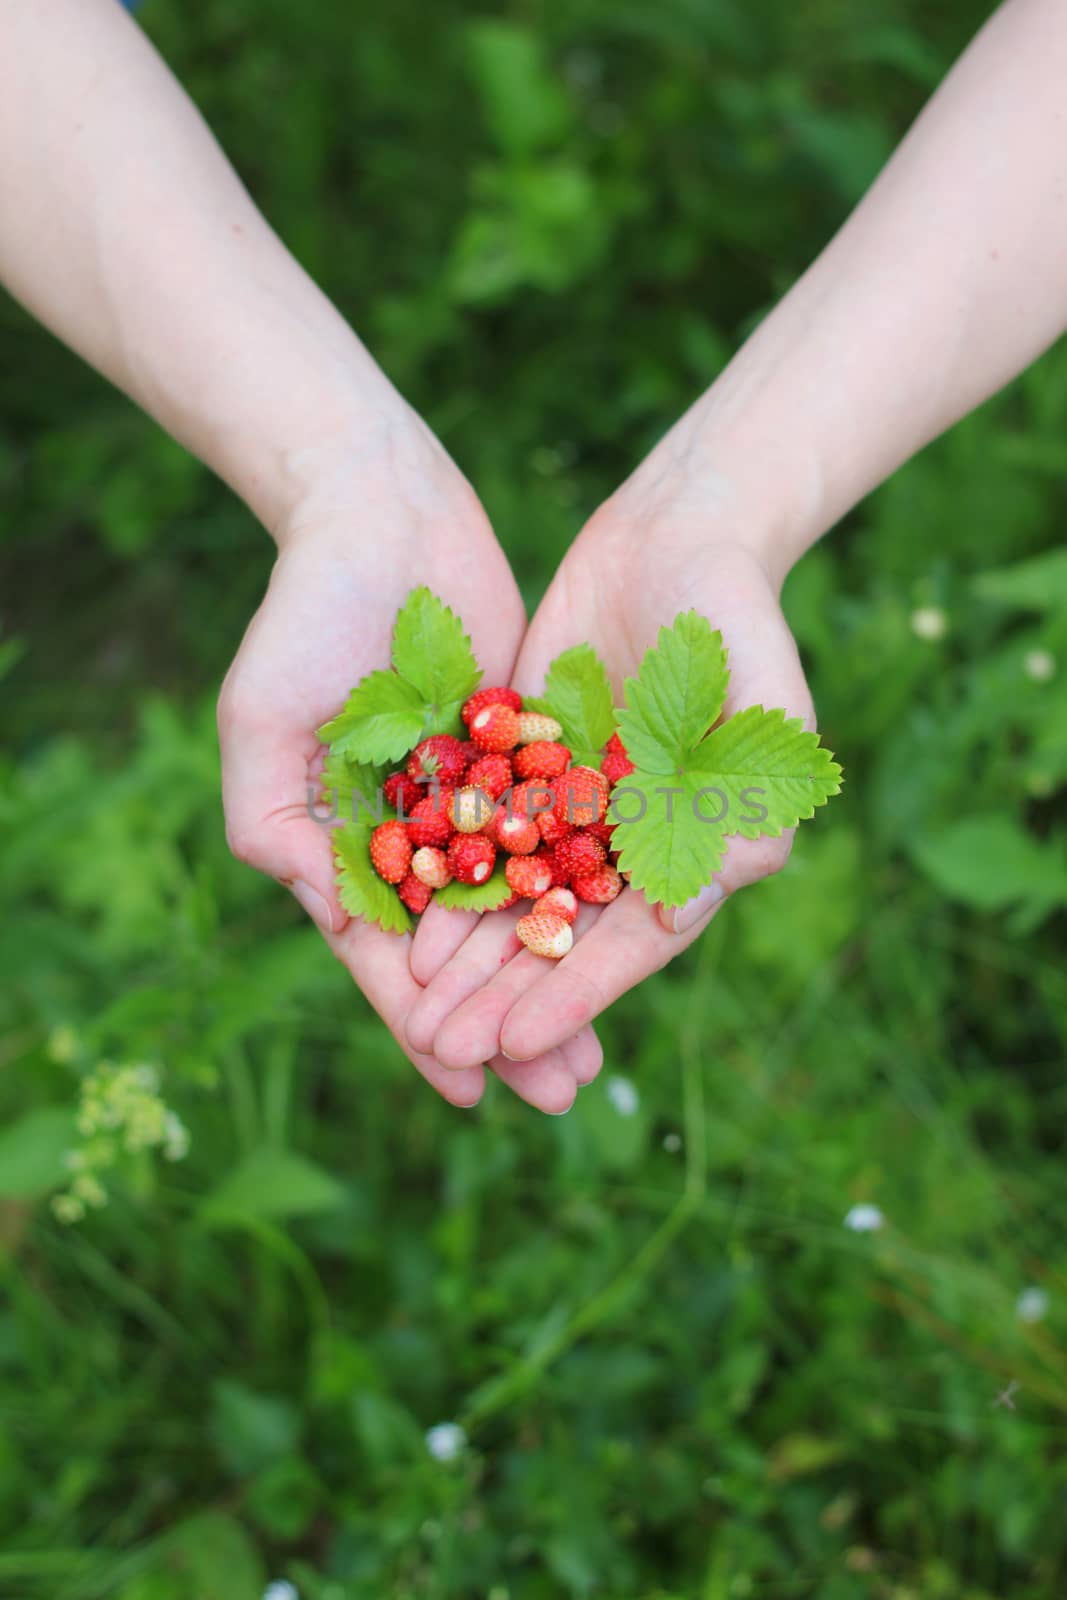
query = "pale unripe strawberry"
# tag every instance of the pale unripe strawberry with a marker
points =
(470, 809)
(495, 728)
(430, 866)
(545, 935)
(557, 903)
(471, 857)
(598, 888)
(535, 728)
(529, 876)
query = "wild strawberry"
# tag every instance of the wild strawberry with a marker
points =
(581, 796)
(402, 792)
(616, 764)
(553, 828)
(415, 894)
(529, 876)
(537, 729)
(471, 857)
(544, 934)
(577, 855)
(531, 800)
(513, 832)
(470, 809)
(430, 866)
(559, 903)
(390, 850)
(490, 697)
(506, 905)
(599, 887)
(559, 878)
(470, 752)
(541, 760)
(495, 728)
(491, 773)
(602, 831)
(431, 822)
(440, 756)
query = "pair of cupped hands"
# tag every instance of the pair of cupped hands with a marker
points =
(460, 995)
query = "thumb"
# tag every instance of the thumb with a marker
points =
(268, 801)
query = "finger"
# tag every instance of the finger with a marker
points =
(548, 1083)
(490, 945)
(379, 962)
(437, 939)
(624, 945)
(583, 1055)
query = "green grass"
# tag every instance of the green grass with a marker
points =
(682, 1377)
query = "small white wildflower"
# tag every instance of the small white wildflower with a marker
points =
(864, 1219)
(175, 1137)
(445, 1441)
(280, 1590)
(65, 1208)
(672, 1143)
(623, 1096)
(1040, 665)
(1032, 1304)
(929, 622)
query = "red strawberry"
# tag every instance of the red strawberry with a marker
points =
(491, 773)
(512, 900)
(529, 876)
(440, 756)
(543, 759)
(535, 728)
(513, 832)
(531, 800)
(470, 751)
(616, 764)
(581, 796)
(577, 855)
(545, 935)
(495, 728)
(471, 857)
(559, 879)
(402, 792)
(390, 850)
(615, 746)
(559, 903)
(599, 887)
(552, 830)
(430, 866)
(602, 831)
(431, 821)
(470, 809)
(415, 894)
(490, 697)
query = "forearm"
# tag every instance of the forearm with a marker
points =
(124, 229)
(948, 279)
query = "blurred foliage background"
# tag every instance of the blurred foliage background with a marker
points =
(678, 1373)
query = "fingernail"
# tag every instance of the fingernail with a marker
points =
(688, 915)
(313, 903)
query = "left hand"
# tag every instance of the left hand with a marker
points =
(645, 555)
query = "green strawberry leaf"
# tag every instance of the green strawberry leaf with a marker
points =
(361, 891)
(761, 772)
(487, 896)
(432, 652)
(578, 694)
(352, 789)
(676, 696)
(382, 720)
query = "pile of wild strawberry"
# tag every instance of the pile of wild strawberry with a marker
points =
(510, 788)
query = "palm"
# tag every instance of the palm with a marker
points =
(325, 622)
(620, 582)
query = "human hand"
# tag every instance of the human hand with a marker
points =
(646, 555)
(373, 521)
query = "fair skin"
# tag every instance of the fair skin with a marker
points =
(949, 278)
